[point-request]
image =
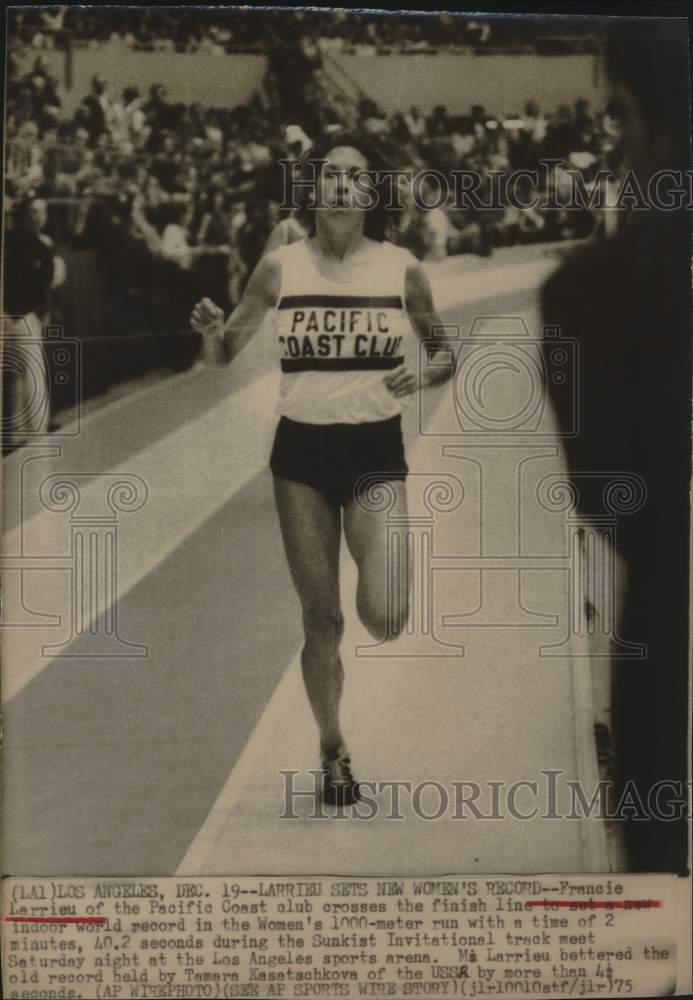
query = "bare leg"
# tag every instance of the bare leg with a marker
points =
(383, 560)
(311, 529)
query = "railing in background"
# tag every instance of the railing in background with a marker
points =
(118, 332)
(213, 81)
(498, 80)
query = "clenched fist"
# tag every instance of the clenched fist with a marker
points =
(207, 318)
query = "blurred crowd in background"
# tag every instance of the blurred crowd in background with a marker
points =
(200, 187)
(218, 31)
(177, 201)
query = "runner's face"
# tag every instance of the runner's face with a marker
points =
(337, 192)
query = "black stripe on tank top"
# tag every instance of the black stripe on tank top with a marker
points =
(340, 302)
(338, 364)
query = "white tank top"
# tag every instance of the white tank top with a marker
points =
(337, 340)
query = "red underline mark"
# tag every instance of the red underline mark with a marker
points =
(599, 904)
(57, 920)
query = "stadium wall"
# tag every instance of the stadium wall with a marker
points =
(502, 83)
(214, 81)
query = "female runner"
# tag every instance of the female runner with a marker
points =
(345, 302)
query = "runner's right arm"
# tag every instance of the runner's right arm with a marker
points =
(223, 340)
(287, 230)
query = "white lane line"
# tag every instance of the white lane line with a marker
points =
(189, 474)
(170, 381)
(266, 733)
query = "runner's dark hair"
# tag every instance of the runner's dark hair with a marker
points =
(385, 212)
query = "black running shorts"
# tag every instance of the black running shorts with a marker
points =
(334, 458)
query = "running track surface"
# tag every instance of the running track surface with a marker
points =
(170, 762)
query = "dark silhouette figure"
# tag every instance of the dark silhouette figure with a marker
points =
(626, 300)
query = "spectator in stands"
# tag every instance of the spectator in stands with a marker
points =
(42, 92)
(23, 166)
(416, 123)
(214, 225)
(261, 218)
(437, 122)
(128, 120)
(158, 110)
(479, 117)
(463, 139)
(31, 272)
(528, 139)
(561, 137)
(584, 123)
(76, 159)
(175, 240)
(372, 119)
(255, 153)
(214, 241)
(534, 123)
(94, 113)
(165, 164)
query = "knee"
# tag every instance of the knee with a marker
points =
(323, 623)
(382, 625)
